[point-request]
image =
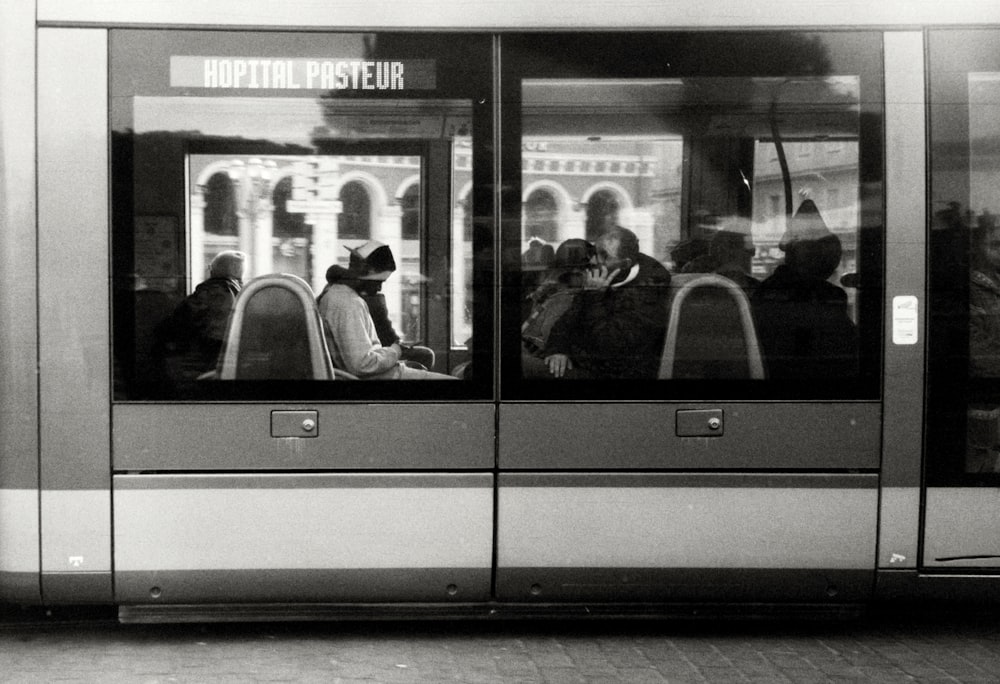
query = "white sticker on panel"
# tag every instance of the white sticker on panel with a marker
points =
(905, 324)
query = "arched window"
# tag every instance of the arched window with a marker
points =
(356, 217)
(542, 216)
(286, 225)
(410, 203)
(602, 213)
(220, 206)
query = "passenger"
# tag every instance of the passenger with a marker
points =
(555, 294)
(984, 299)
(191, 337)
(416, 356)
(349, 327)
(802, 320)
(616, 324)
(535, 263)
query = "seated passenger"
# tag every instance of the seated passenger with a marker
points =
(802, 319)
(415, 356)
(555, 293)
(984, 299)
(191, 338)
(348, 325)
(616, 324)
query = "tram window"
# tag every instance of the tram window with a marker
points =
(633, 188)
(964, 244)
(361, 194)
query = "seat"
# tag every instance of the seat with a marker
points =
(710, 332)
(275, 333)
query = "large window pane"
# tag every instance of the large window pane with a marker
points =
(340, 179)
(964, 389)
(634, 190)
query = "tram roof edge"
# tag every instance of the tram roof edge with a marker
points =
(372, 15)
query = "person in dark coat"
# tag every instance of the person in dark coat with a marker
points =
(616, 324)
(191, 338)
(802, 320)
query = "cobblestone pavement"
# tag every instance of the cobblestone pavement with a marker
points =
(942, 648)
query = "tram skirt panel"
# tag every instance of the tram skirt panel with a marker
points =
(303, 538)
(623, 538)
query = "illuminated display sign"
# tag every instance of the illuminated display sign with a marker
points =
(274, 73)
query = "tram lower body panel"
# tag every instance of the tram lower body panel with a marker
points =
(303, 538)
(686, 537)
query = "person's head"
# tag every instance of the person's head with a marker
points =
(616, 249)
(538, 256)
(732, 246)
(228, 264)
(370, 265)
(810, 248)
(572, 258)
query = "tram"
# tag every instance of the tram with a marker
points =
(774, 379)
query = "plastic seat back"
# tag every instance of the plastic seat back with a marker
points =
(710, 332)
(275, 333)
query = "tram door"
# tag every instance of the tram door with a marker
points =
(962, 465)
(266, 448)
(692, 299)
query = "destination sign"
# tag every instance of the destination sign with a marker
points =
(270, 73)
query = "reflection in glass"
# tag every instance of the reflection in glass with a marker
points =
(753, 179)
(249, 175)
(984, 205)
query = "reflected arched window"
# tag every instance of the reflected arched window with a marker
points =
(286, 225)
(410, 204)
(356, 216)
(290, 248)
(220, 206)
(602, 213)
(542, 216)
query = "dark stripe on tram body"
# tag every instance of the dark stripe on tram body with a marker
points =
(276, 586)
(683, 584)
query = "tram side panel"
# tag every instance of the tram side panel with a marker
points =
(19, 535)
(261, 483)
(74, 390)
(741, 462)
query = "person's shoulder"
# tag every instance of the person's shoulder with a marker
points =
(651, 271)
(343, 296)
(983, 282)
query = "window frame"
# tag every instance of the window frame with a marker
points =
(139, 63)
(659, 55)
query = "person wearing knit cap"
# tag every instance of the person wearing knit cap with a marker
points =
(802, 320)
(191, 338)
(349, 327)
